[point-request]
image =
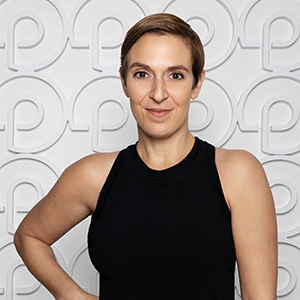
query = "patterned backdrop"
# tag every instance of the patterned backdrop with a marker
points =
(61, 99)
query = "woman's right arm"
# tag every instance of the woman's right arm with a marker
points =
(72, 199)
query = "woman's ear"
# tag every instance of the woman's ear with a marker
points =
(124, 85)
(197, 87)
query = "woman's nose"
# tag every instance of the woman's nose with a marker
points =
(158, 91)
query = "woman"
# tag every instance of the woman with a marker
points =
(174, 213)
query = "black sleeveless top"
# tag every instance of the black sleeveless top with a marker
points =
(158, 235)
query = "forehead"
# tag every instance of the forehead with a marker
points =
(160, 49)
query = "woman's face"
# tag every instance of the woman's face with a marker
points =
(159, 84)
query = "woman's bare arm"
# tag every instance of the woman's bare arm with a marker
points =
(72, 199)
(253, 222)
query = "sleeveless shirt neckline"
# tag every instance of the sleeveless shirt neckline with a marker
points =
(166, 174)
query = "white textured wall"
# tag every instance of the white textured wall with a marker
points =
(61, 99)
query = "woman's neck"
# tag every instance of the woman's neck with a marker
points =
(159, 154)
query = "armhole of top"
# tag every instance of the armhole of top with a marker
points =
(106, 186)
(213, 176)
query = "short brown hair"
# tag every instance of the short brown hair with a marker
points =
(164, 23)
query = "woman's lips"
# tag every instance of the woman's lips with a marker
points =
(158, 113)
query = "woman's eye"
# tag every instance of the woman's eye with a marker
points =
(140, 74)
(176, 76)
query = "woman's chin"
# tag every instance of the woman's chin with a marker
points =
(157, 132)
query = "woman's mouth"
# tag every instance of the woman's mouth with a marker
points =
(158, 113)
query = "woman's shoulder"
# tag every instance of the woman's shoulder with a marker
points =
(235, 158)
(94, 167)
(90, 165)
(239, 171)
(96, 161)
(237, 163)
(88, 175)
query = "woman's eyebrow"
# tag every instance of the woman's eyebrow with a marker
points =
(179, 67)
(171, 68)
(139, 65)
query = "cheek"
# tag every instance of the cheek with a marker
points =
(133, 86)
(137, 94)
(136, 112)
(135, 107)
(182, 97)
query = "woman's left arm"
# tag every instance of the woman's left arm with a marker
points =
(254, 227)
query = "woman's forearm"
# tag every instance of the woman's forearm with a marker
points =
(40, 261)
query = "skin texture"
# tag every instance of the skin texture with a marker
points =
(159, 86)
